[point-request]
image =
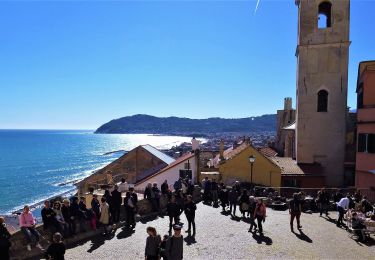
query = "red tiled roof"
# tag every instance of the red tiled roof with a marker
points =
(287, 165)
(230, 153)
(267, 151)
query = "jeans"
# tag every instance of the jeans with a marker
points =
(214, 196)
(259, 220)
(252, 222)
(324, 208)
(191, 221)
(234, 205)
(341, 215)
(116, 213)
(130, 213)
(29, 233)
(171, 218)
(295, 215)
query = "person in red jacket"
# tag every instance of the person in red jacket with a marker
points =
(260, 214)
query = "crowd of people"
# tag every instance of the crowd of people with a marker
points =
(70, 216)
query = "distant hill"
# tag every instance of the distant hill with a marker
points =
(145, 124)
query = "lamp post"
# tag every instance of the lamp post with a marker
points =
(251, 160)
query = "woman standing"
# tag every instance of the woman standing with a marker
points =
(104, 215)
(152, 244)
(260, 214)
(4, 240)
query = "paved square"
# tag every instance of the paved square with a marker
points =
(220, 237)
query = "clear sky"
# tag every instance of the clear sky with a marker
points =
(76, 65)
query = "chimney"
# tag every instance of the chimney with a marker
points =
(288, 103)
(221, 149)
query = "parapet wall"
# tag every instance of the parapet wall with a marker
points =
(19, 251)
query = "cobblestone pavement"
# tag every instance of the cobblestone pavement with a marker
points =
(220, 237)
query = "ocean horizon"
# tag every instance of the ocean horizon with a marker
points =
(36, 164)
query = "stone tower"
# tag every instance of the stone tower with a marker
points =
(322, 81)
(285, 117)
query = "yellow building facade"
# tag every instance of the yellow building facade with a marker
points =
(238, 168)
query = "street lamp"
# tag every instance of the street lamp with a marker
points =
(251, 160)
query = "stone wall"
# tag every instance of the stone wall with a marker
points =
(19, 251)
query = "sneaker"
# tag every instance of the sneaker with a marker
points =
(299, 227)
(39, 246)
(28, 247)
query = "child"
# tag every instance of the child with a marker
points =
(56, 250)
(163, 246)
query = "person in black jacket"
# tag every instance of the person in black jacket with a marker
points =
(173, 211)
(76, 214)
(165, 188)
(95, 205)
(116, 200)
(190, 209)
(156, 198)
(56, 250)
(4, 240)
(66, 212)
(252, 206)
(233, 200)
(49, 218)
(223, 196)
(244, 203)
(130, 205)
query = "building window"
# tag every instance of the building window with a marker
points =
(324, 15)
(322, 101)
(366, 143)
(371, 143)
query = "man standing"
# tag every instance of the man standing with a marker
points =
(295, 209)
(324, 202)
(175, 245)
(164, 188)
(214, 191)
(342, 206)
(130, 209)
(173, 211)
(116, 200)
(190, 209)
(233, 198)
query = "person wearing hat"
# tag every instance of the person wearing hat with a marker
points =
(56, 250)
(175, 245)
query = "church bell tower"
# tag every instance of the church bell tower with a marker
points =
(322, 84)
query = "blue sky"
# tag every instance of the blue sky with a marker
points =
(76, 65)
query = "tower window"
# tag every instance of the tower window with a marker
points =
(324, 15)
(322, 101)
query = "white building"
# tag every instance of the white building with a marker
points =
(186, 164)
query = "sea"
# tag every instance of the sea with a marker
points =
(39, 164)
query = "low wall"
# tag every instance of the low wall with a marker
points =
(19, 251)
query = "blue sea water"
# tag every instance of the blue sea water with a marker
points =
(34, 163)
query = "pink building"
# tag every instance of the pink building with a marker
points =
(365, 157)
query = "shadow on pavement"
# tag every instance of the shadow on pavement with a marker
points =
(190, 240)
(125, 232)
(235, 218)
(303, 236)
(225, 213)
(262, 239)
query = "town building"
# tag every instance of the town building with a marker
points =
(233, 165)
(285, 118)
(184, 166)
(134, 166)
(365, 156)
(322, 80)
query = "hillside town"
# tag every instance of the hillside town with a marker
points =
(304, 190)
